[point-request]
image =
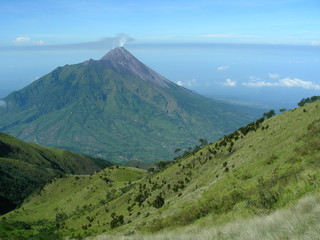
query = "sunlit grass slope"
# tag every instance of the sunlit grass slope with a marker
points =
(71, 203)
(296, 223)
(262, 167)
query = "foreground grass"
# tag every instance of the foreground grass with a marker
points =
(298, 222)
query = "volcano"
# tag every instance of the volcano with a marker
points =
(116, 108)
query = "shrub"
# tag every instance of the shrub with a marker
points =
(158, 202)
(267, 196)
(116, 220)
(269, 114)
(60, 220)
(308, 100)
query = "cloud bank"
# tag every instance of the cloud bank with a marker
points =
(286, 82)
(274, 75)
(229, 83)
(228, 35)
(26, 43)
(21, 40)
(315, 43)
(188, 83)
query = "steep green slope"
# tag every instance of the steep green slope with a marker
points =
(79, 196)
(116, 108)
(264, 166)
(25, 167)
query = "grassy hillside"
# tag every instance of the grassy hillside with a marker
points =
(71, 202)
(265, 166)
(295, 223)
(25, 167)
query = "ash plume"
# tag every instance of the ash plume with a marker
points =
(121, 39)
(105, 43)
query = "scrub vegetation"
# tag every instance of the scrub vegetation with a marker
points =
(259, 182)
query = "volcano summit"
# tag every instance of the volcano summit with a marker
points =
(116, 108)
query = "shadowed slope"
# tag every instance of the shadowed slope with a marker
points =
(25, 167)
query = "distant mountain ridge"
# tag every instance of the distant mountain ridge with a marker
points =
(115, 108)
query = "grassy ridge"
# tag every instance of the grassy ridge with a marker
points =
(262, 167)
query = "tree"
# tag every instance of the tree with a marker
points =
(162, 164)
(158, 202)
(203, 142)
(269, 114)
(308, 100)
(177, 150)
(116, 220)
(282, 110)
(61, 217)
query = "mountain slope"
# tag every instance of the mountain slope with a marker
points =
(262, 167)
(25, 167)
(116, 108)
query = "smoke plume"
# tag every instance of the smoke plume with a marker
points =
(121, 39)
(105, 43)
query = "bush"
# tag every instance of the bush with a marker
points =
(60, 220)
(116, 220)
(269, 114)
(158, 202)
(267, 196)
(308, 100)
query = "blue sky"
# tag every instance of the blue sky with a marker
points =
(242, 21)
(183, 40)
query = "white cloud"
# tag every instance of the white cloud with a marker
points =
(286, 82)
(188, 83)
(222, 68)
(36, 44)
(274, 75)
(253, 78)
(260, 84)
(180, 83)
(296, 82)
(39, 43)
(229, 83)
(21, 40)
(27, 41)
(2, 103)
(315, 43)
(228, 35)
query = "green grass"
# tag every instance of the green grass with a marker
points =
(80, 198)
(295, 223)
(240, 177)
